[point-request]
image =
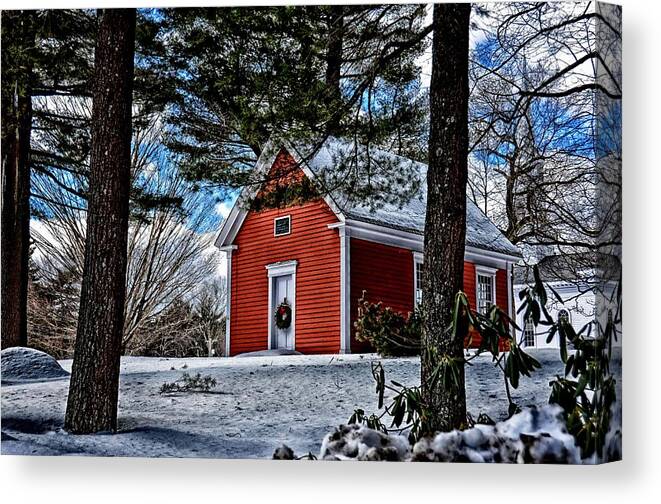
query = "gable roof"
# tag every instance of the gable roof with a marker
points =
(393, 213)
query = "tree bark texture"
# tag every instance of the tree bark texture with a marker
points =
(18, 40)
(334, 50)
(335, 20)
(445, 225)
(93, 393)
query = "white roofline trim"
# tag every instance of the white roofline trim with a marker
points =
(232, 224)
(477, 252)
(360, 229)
(385, 235)
(415, 242)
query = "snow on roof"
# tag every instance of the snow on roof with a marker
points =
(393, 210)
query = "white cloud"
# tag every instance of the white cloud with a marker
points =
(223, 208)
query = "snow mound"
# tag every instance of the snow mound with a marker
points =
(357, 442)
(536, 436)
(283, 452)
(270, 353)
(26, 364)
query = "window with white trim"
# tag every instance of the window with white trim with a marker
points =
(486, 290)
(418, 281)
(282, 225)
(529, 333)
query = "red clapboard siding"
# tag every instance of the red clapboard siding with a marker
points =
(385, 273)
(317, 250)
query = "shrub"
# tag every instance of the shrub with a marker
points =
(587, 392)
(390, 333)
(188, 383)
(406, 409)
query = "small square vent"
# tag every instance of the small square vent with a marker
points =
(282, 225)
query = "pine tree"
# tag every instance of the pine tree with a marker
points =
(245, 75)
(42, 56)
(93, 393)
(445, 225)
(18, 34)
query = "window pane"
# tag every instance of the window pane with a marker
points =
(418, 283)
(529, 333)
(484, 293)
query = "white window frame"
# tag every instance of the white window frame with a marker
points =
(418, 260)
(528, 325)
(487, 272)
(276, 219)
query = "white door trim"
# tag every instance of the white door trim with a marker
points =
(273, 271)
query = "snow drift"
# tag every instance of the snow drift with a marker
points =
(26, 364)
(532, 436)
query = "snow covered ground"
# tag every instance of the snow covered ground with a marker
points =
(258, 404)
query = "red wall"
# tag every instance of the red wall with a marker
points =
(386, 273)
(317, 250)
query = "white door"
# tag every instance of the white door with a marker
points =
(283, 290)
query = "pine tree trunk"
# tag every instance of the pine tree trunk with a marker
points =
(93, 393)
(334, 50)
(445, 225)
(16, 131)
(335, 19)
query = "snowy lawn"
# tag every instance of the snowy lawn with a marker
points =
(258, 404)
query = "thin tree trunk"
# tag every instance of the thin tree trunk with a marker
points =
(445, 225)
(16, 131)
(92, 401)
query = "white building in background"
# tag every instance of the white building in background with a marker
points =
(580, 301)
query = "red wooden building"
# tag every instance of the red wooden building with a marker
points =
(321, 255)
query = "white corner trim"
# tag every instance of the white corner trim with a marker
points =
(511, 312)
(228, 298)
(345, 289)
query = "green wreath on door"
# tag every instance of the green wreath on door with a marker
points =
(283, 315)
